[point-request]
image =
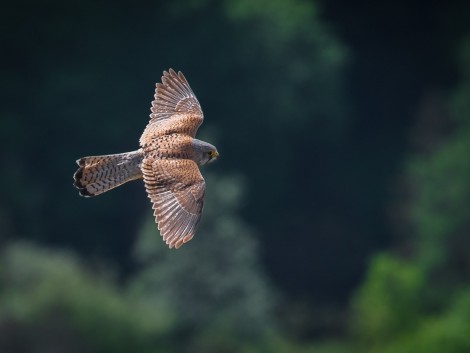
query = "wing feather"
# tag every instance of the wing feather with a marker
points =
(176, 189)
(175, 108)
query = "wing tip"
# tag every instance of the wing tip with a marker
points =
(172, 74)
(177, 243)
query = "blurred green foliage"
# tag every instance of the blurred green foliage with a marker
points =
(389, 302)
(422, 304)
(50, 303)
(310, 104)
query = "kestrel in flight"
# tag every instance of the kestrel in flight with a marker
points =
(168, 160)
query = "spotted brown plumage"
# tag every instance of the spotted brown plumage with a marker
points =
(168, 161)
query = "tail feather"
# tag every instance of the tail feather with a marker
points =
(97, 174)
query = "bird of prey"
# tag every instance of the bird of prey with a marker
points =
(168, 160)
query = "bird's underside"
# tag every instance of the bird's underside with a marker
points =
(167, 162)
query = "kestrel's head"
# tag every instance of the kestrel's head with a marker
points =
(204, 152)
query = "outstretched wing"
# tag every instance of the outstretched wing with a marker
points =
(176, 189)
(175, 108)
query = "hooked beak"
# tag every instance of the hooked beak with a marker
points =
(214, 156)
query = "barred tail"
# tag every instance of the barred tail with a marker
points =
(98, 174)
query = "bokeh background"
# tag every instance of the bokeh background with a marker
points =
(337, 218)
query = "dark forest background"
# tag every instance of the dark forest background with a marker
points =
(337, 218)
